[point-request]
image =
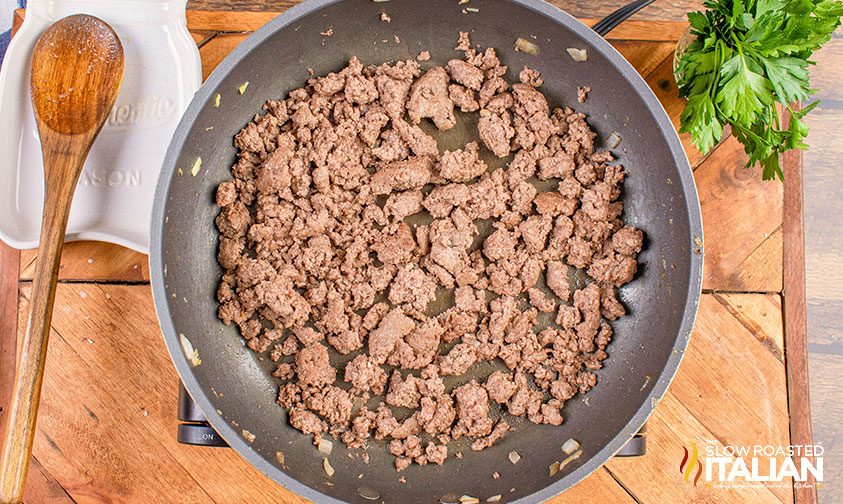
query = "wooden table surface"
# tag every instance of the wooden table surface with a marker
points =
(107, 426)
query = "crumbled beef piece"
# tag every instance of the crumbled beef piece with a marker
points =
(500, 430)
(463, 98)
(466, 74)
(403, 393)
(587, 301)
(306, 421)
(534, 232)
(442, 199)
(551, 413)
(549, 203)
(458, 360)
(500, 387)
(582, 93)
(449, 244)
(462, 165)
(496, 131)
(403, 204)
(612, 308)
(416, 139)
(284, 371)
(580, 253)
(436, 454)
(472, 411)
(313, 366)
(394, 326)
(560, 166)
(525, 400)
(628, 241)
(346, 341)
(436, 414)
(530, 77)
(541, 301)
(423, 56)
(307, 335)
(395, 246)
(429, 98)
(413, 286)
(500, 245)
(331, 403)
(614, 269)
(365, 375)
(557, 280)
(393, 83)
(226, 193)
(463, 42)
(413, 173)
(418, 349)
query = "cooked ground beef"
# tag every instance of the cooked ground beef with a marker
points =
(346, 231)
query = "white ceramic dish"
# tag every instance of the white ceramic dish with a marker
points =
(113, 201)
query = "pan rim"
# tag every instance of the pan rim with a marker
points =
(596, 42)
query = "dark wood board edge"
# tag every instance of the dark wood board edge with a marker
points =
(795, 321)
(249, 21)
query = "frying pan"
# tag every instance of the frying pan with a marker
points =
(234, 387)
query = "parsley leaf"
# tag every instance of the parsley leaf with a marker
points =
(748, 59)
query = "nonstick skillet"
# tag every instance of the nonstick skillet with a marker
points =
(233, 386)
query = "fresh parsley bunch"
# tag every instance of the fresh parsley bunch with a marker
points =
(748, 56)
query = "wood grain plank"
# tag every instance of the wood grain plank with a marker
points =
(9, 260)
(761, 315)
(726, 369)
(216, 49)
(796, 327)
(600, 486)
(741, 217)
(93, 261)
(42, 488)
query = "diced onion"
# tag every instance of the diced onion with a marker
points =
(494, 498)
(197, 165)
(327, 466)
(614, 140)
(467, 499)
(368, 493)
(574, 456)
(554, 468)
(526, 46)
(578, 55)
(514, 457)
(570, 446)
(325, 446)
(191, 353)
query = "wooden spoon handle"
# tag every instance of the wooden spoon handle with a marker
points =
(26, 393)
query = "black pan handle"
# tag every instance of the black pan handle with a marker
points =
(607, 24)
(636, 446)
(195, 430)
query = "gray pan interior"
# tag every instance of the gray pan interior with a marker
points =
(234, 387)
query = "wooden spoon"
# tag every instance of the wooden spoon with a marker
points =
(77, 68)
